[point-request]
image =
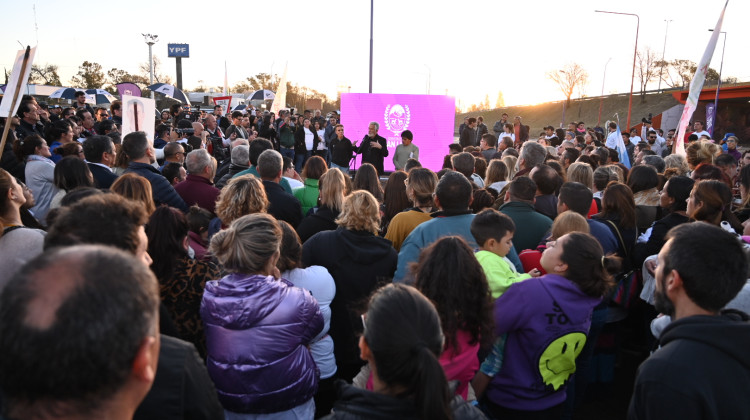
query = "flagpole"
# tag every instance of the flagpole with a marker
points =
(6, 129)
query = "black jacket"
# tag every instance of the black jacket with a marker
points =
(342, 151)
(232, 171)
(702, 371)
(359, 262)
(299, 140)
(103, 177)
(372, 155)
(182, 388)
(356, 403)
(282, 205)
(324, 218)
(161, 189)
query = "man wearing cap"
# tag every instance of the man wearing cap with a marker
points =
(81, 102)
(55, 111)
(405, 151)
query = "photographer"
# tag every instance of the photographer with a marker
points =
(236, 131)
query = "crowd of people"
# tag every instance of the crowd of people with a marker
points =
(232, 267)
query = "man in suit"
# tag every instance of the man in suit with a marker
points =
(100, 154)
(373, 148)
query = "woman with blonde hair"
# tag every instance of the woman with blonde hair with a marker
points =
(136, 188)
(497, 175)
(332, 187)
(241, 196)
(510, 163)
(359, 262)
(420, 185)
(259, 326)
(565, 222)
(701, 152)
(675, 165)
(581, 172)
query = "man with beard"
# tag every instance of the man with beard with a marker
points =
(702, 369)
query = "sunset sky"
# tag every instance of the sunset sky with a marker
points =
(466, 49)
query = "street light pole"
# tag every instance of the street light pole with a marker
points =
(635, 54)
(150, 41)
(372, 6)
(718, 84)
(429, 77)
(601, 99)
(663, 50)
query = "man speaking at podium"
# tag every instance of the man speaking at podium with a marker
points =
(373, 148)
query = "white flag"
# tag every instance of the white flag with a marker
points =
(696, 85)
(280, 100)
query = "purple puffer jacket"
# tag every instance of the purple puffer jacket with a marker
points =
(257, 330)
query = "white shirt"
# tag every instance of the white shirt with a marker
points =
(309, 137)
(612, 140)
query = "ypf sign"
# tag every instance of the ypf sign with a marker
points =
(178, 50)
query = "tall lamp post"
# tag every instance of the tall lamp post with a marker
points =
(663, 50)
(718, 84)
(150, 41)
(601, 99)
(635, 54)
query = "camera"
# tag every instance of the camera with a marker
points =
(184, 132)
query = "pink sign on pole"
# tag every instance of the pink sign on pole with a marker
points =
(430, 118)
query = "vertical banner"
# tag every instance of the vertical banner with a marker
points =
(138, 115)
(696, 85)
(280, 100)
(710, 118)
(16, 79)
(224, 101)
(226, 83)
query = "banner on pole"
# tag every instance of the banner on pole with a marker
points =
(279, 101)
(10, 87)
(138, 115)
(696, 85)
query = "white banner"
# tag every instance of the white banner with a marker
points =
(138, 115)
(279, 101)
(10, 88)
(696, 85)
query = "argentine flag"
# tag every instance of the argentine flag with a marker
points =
(622, 152)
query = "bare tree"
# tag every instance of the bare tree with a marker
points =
(159, 77)
(679, 73)
(568, 78)
(647, 69)
(45, 74)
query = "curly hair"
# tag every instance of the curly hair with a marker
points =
(241, 196)
(450, 276)
(136, 188)
(360, 212)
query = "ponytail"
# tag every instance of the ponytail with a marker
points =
(430, 387)
(403, 332)
(588, 267)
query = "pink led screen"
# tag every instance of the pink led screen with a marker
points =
(429, 117)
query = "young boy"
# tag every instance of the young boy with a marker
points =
(494, 231)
